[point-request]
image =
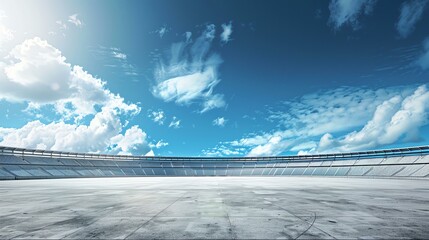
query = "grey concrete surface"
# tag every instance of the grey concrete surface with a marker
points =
(215, 208)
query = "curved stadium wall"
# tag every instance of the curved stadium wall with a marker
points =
(20, 163)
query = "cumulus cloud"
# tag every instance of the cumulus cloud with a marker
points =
(175, 123)
(157, 116)
(343, 12)
(225, 36)
(131, 142)
(101, 135)
(220, 121)
(398, 118)
(75, 20)
(150, 153)
(308, 124)
(266, 144)
(191, 73)
(411, 12)
(274, 146)
(6, 34)
(39, 75)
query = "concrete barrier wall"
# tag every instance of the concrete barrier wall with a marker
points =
(18, 164)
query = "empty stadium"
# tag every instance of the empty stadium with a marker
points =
(372, 194)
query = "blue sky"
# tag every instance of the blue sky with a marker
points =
(214, 78)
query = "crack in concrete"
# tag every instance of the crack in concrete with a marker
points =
(145, 223)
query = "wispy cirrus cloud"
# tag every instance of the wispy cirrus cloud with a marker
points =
(75, 20)
(63, 25)
(117, 54)
(348, 12)
(423, 59)
(115, 58)
(411, 13)
(190, 73)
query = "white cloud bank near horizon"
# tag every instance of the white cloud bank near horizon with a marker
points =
(339, 120)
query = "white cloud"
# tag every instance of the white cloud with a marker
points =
(212, 102)
(38, 74)
(157, 116)
(188, 36)
(331, 111)
(266, 144)
(6, 34)
(411, 12)
(191, 74)
(344, 12)
(120, 60)
(131, 142)
(396, 119)
(120, 55)
(184, 89)
(61, 24)
(150, 153)
(159, 144)
(398, 112)
(274, 146)
(304, 146)
(423, 60)
(222, 150)
(76, 21)
(162, 31)
(225, 36)
(175, 123)
(101, 135)
(220, 121)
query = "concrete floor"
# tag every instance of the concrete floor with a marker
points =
(215, 208)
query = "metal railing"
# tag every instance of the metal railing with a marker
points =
(418, 150)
